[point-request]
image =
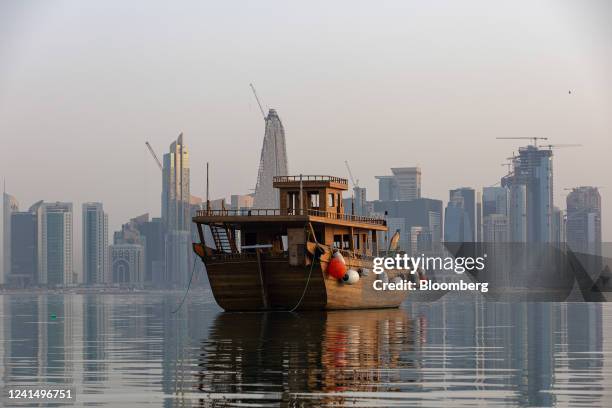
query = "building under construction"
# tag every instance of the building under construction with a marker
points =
(273, 162)
(533, 169)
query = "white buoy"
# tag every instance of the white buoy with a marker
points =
(351, 277)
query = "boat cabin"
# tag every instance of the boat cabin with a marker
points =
(310, 209)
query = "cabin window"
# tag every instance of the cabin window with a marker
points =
(356, 243)
(313, 198)
(346, 241)
(331, 200)
(338, 241)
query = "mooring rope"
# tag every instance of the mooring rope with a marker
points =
(188, 286)
(305, 287)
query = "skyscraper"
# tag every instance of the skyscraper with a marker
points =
(55, 256)
(273, 162)
(95, 244)
(584, 220)
(387, 188)
(408, 181)
(533, 169)
(457, 222)
(24, 254)
(151, 235)
(176, 213)
(464, 198)
(9, 206)
(175, 188)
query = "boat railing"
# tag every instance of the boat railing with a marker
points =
(234, 256)
(243, 212)
(311, 177)
(259, 212)
(245, 255)
(345, 217)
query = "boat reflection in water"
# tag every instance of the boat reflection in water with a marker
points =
(253, 357)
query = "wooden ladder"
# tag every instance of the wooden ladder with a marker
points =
(223, 237)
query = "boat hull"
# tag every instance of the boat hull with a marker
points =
(254, 282)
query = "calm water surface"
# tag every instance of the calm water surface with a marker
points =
(120, 350)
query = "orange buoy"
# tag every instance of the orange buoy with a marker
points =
(337, 266)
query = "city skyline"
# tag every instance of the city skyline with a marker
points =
(485, 210)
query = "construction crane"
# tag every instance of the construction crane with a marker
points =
(355, 182)
(154, 156)
(572, 188)
(509, 165)
(556, 146)
(534, 138)
(258, 102)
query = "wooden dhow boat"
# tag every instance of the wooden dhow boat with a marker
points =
(289, 258)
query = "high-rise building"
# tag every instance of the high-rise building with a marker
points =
(55, 254)
(9, 206)
(153, 241)
(95, 244)
(273, 162)
(461, 216)
(176, 213)
(533, 169)
(457, 223)
(584, 220)
(387, 188)
(408, 181)
(24, 256)
(175, 188)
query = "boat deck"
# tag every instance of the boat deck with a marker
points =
(288, 217)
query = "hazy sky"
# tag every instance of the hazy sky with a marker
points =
(382, 84)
